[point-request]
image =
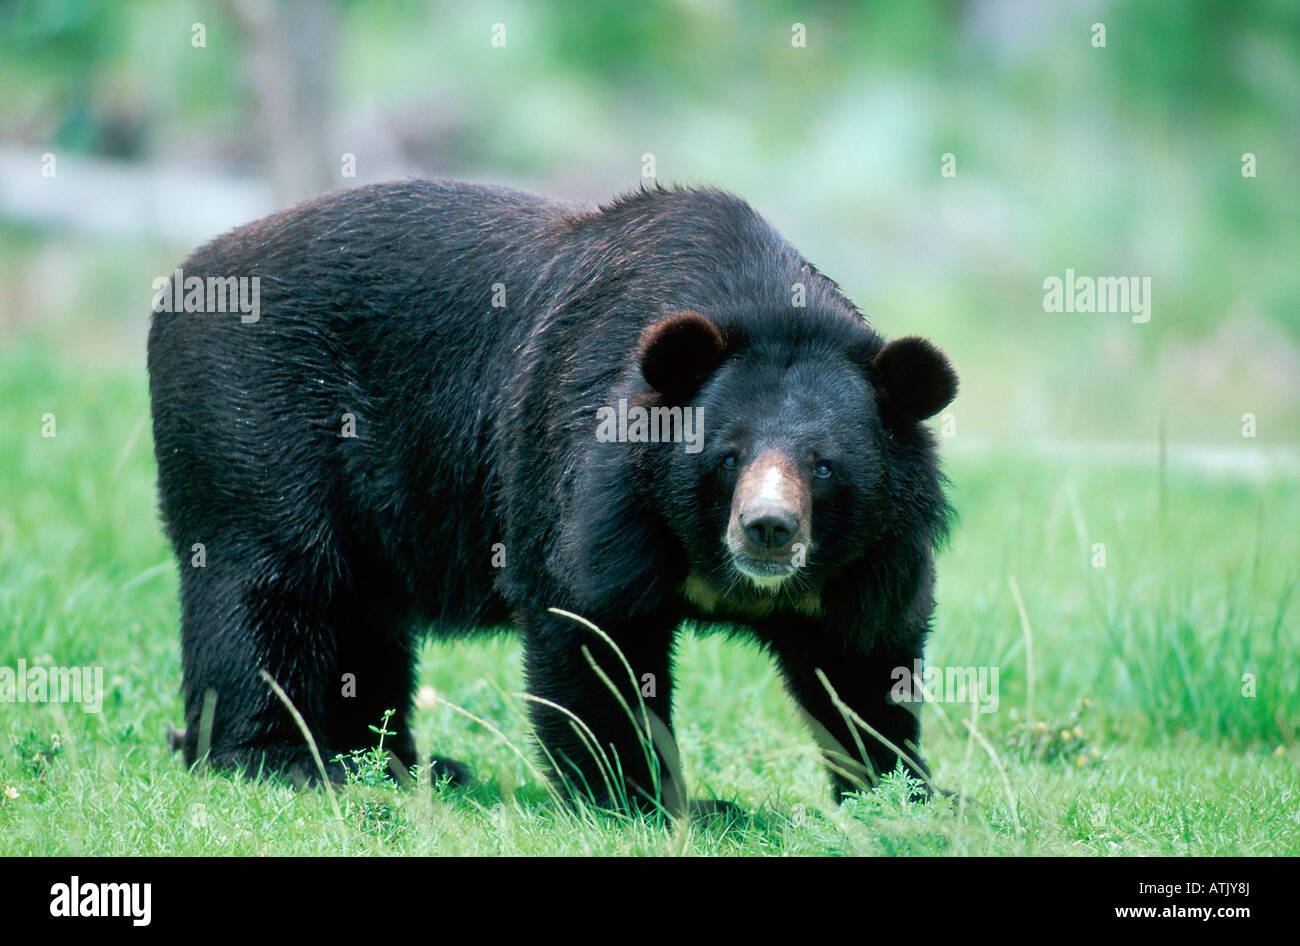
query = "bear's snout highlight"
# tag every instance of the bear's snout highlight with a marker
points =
(769, 529)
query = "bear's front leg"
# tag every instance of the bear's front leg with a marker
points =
(605, 726)
(864, 679)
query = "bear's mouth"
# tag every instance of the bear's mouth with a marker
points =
(763, 573)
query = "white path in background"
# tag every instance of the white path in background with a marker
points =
(184, 205)
(1249, 461)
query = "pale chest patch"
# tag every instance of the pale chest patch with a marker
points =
(746, 605)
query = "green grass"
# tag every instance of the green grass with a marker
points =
(1170, 756)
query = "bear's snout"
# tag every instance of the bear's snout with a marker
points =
(770, 526)
(768, 533)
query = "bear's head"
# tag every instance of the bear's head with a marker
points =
(808, 450)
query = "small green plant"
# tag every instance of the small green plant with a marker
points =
(369, 767)
(901, 817)
(1061, 741)
(897, 793)
(367, 770)
(37, 753)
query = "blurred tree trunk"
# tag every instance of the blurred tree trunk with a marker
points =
(292, 50)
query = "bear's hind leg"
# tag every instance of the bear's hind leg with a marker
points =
(375, 672)
(231, 630)
(377, 669)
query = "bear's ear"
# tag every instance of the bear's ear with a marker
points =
(913, 379)
(679, 352)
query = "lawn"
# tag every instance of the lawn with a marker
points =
(1149, 694)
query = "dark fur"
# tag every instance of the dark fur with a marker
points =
(475, 425)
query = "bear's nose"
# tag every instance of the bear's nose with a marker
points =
(770, 527)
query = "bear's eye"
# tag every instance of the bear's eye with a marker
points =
(822, 470)
(729, 461)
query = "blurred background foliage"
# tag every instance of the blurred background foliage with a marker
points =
(1117, 160)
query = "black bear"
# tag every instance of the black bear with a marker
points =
(439, 405)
